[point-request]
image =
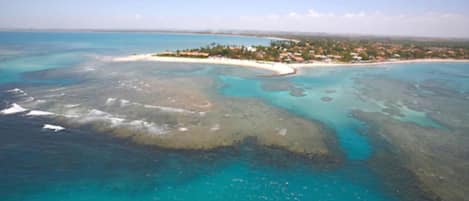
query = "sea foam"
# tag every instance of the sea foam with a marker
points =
(124, 102)
(149, 127)
(16, 91)
(15, 108)
(169, 109)
(98, 115)
(53, 127)
(71, 105)
(110, 101)
(39, 113)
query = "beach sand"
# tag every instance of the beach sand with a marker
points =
(279, 69)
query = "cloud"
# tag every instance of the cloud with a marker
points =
(314, 13)
(138, 16)
(351, 15)
(376, 23)
(293, 14)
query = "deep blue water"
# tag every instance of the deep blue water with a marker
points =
(80, 164)
(83, 165)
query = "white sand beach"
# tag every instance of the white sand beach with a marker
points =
(280, 69)
(277, 68)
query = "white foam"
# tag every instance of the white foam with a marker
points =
(57, 89)
(71, 105)
(71, 116)
(95, 112)
(98, 115)
(115, 121)
(169, 109)
(149, 127)
(124, 102)
(53, 127)
(39, 113)
(72, 113)
(215, 127)
(29, 99)
(54, 95)
(282, 132)
(182, 129)
(110, 101)
(40, 101)
(15, 108)
(16, 91)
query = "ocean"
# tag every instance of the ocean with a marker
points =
(388, 130)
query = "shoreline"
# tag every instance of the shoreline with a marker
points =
(279, 69)
(319, 64)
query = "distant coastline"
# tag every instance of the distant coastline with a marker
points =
(265, 35)
(278, 68)
(277, 35)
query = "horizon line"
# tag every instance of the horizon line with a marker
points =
(239, 32)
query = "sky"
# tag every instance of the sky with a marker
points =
(433, 18)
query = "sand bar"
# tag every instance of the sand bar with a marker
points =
(280, 69)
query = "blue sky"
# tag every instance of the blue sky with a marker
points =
(409, 17)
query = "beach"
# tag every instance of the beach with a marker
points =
(279, 69)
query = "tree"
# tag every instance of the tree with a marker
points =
(364, 56)
(306, 56)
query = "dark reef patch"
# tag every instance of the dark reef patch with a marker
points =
(326, 99)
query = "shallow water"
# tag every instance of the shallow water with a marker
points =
(27, 51)
(62, 73)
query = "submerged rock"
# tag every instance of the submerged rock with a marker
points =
(435, 157)
(326, 99)
(330, 91)
(297, 92)
(153, 109)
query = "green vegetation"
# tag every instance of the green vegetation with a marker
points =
(332, 50)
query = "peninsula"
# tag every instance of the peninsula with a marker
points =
(284, 57)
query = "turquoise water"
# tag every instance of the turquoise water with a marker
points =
(309, 106)
(22, 52)
(337, 113)
(84, 165)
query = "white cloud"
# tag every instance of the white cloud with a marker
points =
(314, 13)
(138, 16)
(377, 23)
(351, 15)
(293, 14)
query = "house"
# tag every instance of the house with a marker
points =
(298, 58)
(251, 49)
(194, 54)
(357, 58)
(320, 56)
